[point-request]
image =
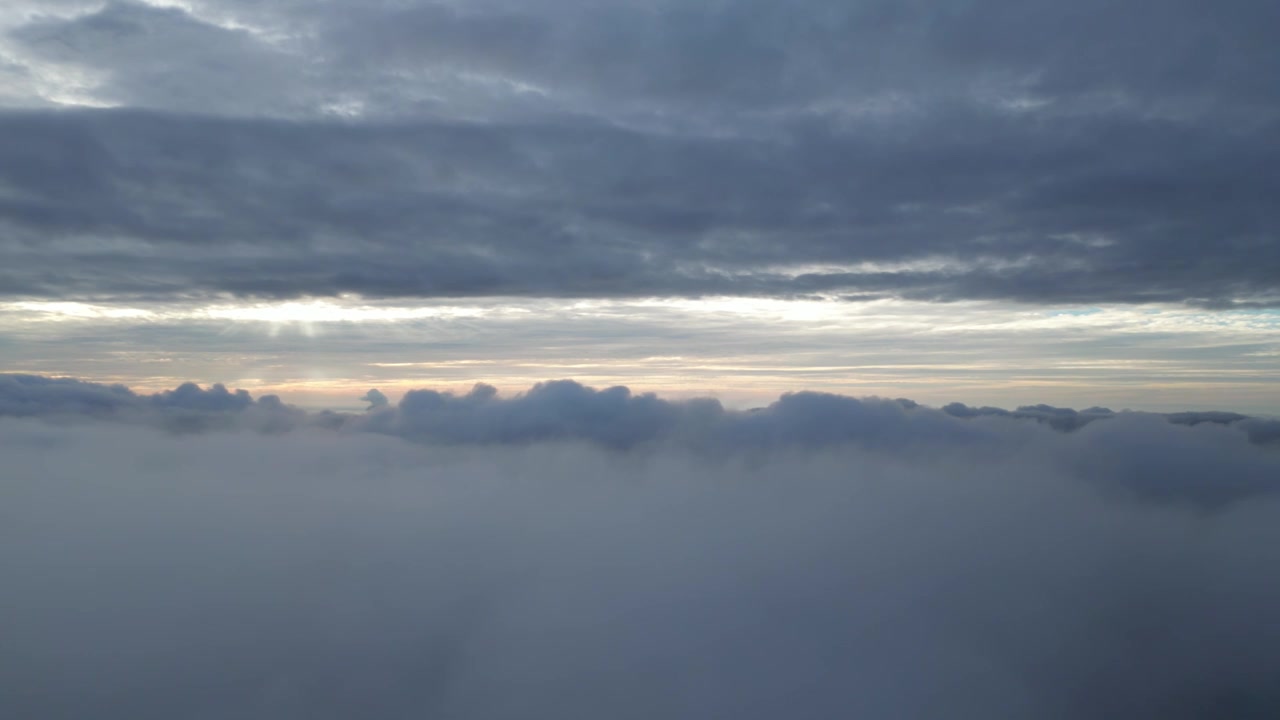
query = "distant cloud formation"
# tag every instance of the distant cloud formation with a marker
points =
(1058, 418)
(1039, 152)
(570, 552)
(187, 408)
(558, 410)
(1241, 448)
(376, 399)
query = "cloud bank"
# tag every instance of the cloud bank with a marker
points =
(566, 410)
(821, 556)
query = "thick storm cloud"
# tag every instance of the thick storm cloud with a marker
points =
(819, 557)
(1036, 151)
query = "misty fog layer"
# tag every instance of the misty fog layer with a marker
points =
(822, 557)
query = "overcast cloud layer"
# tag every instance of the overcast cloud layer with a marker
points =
(1045, 152)
(172, 555)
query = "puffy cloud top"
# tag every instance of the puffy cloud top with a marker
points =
(1143, 452)
(570, 552)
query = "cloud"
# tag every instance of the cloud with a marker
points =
(376, 399)
(1058, 418)
(163, 57)
(187, 408)
(1149, 454)
(831, 557)
(559, 410)
(1037, 153)
(38, 396)
(273, 209)
(1262, 431)
(740, 55)
(582, 552)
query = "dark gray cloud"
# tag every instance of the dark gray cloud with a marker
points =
(1030, 151)
(376, 399)
(667, 55)
(871, 558)
(187, 408)
(165, 58)
(1057, 418)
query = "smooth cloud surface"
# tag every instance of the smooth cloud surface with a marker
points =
(820, 557)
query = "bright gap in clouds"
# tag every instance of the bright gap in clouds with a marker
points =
(944, 318)
(55, 311)
(321, 311)
(744, 350)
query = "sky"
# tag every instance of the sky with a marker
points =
(648, 359)
(989, 202)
